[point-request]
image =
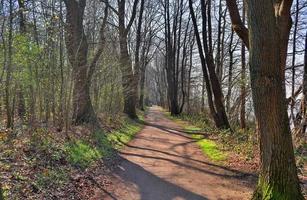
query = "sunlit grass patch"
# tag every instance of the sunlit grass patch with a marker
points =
(82, 154)
(211, 149)
(122, 136)
(192, 129)
(208, 147)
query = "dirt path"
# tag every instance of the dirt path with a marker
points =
(162, 163)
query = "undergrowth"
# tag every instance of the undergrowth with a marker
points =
(45, 160)
(103, 146)
(242, 142)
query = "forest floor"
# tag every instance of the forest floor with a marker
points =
(164, 162)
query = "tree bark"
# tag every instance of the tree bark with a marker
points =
(128, 76)
(21, 110)
(214, 91)
(229, 91)
(170, 57)
(9, 110)
(269, 27)
(77, 48)
(137, 64)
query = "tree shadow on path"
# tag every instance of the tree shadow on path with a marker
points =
(152, 187)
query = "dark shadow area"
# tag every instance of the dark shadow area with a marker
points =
(239, 176)
(175, 131)
(240, 173)
(152, 187)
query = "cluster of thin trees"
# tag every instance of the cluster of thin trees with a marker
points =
(65, 62)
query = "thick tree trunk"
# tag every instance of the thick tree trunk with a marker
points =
(137, 65)
(77, 49)
(128, 79)
(269, 39)
(170, 61)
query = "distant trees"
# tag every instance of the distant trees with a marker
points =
(177, 37)
(205, 48)
(147, 48)
(171, 42)
(267, 40)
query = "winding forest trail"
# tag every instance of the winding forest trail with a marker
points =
(163, 163)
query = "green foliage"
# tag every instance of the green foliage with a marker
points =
(82, 154)
(25, 51)
(103, 145)
(4, 192)
(197, 120)
(240, 141)
(26, 54)
(122, 136)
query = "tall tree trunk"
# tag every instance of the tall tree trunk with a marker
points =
(218, 61)
(21, 110)
(171, 72)
(292, 104)
(137, 65)
(9, 112)
(77, 49)
(243, 77)
(142, 87)
(268, 34)
(300, 123)
(267, 40)
(229, 91)
(125, 62)
(62, 100)
(214, 91)
(127, 77)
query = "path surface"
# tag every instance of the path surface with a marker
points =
(162, 163)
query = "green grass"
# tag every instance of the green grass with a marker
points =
(208, 147)
(122, 136)
(82, 154)
(192, 129)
